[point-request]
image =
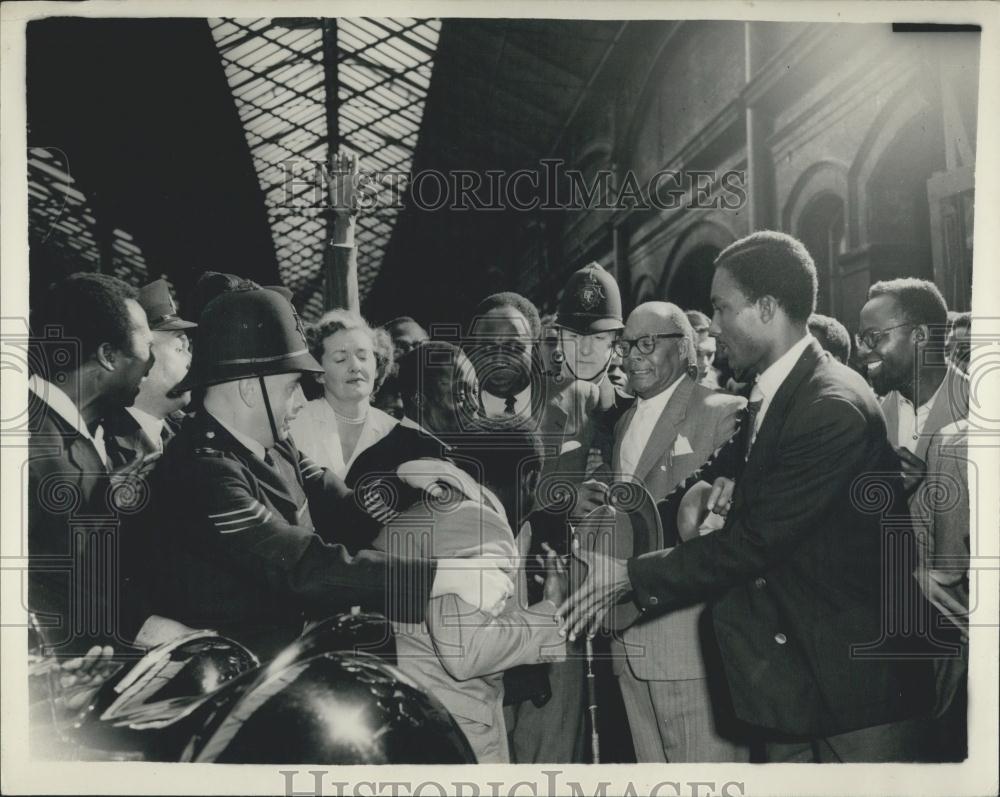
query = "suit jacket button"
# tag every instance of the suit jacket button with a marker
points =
(654, 600)
(760, 582)
(781, 639)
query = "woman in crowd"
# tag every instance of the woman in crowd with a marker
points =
(339, 425)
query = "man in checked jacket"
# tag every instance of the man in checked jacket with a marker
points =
(244, 528)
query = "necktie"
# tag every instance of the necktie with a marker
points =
(752, 410)
(508, 406)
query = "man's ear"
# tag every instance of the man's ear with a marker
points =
(766, 307)
(319, 378)
(249, 391)
(921, 333)
(107, 356)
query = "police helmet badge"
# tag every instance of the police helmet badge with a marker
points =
(591, 294)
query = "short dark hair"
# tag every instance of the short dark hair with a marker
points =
(769, 263)
(89, 308)
(919, 300)
(402, 319)
(832, 336)
(960, 319)
(510, 299)
(698, 320)
(427, 363)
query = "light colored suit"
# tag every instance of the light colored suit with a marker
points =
(459, 654)
(662, 668)
(951, 404)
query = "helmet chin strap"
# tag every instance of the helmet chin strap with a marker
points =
(599, 377)
(267, 406)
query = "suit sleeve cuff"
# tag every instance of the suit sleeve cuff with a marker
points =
(643, 593)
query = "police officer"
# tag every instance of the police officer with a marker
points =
(245, 527)
(589, 320)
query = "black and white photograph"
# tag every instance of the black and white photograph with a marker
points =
(483, 400)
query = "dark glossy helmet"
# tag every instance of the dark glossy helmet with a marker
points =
(591, 302)
(333, 708)
(247, 333)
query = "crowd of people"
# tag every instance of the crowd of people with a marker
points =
(440, 481)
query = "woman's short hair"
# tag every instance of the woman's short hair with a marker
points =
(338, 320)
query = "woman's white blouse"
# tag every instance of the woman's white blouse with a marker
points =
(314, 431)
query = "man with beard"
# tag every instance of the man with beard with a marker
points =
(246, 526)
(796, 574)
(504, 331)
(93, 349)
(901, 342)
(144, 428)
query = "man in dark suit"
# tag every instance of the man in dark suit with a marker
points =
(93, 349)
(244, 522)
(143, 429)
(796, 573)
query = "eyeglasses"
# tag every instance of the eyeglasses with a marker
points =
(870, 337)
(644, 344)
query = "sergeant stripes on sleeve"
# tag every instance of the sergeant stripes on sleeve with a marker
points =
(255, 514)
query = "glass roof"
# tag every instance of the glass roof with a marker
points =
(275, 69)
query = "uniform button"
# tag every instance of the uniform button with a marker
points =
(781, 639)
(654, 600)
(760, 582)
(209, 435)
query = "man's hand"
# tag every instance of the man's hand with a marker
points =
(720, 499)
(606, 582)
(590, 495)
(80, 678)
(483, 583)
(555, 579)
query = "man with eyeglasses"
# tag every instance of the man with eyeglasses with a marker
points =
(671, 431)
(902, 341)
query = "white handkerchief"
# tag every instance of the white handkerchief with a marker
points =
(681, 446)
(570, 445)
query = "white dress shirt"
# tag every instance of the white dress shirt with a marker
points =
(911, 423)
(316, 434)
(496, 406)
(151, 427)
(62, 405)
(647, 413)
(773, 377)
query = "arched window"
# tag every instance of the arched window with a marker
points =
(822, 230)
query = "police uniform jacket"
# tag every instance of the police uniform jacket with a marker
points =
(249, 548)
(797, 573)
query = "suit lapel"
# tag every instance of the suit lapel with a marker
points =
(665, 431)
(891, 413)
(620, 429)
(778, 408)
(950, 405)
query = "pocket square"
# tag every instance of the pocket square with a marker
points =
(681, 446)
(570, 445)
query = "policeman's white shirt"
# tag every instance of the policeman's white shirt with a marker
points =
(647, 413)
(911, 423)
(496, 406)
(315, 432)
(151, 426)
(62, 405)
(773, 377)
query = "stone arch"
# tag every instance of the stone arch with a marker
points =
(823, 177)
(907, 107)
(687, 275)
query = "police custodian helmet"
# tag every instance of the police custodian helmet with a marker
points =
(591, 302)
(247, 333)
